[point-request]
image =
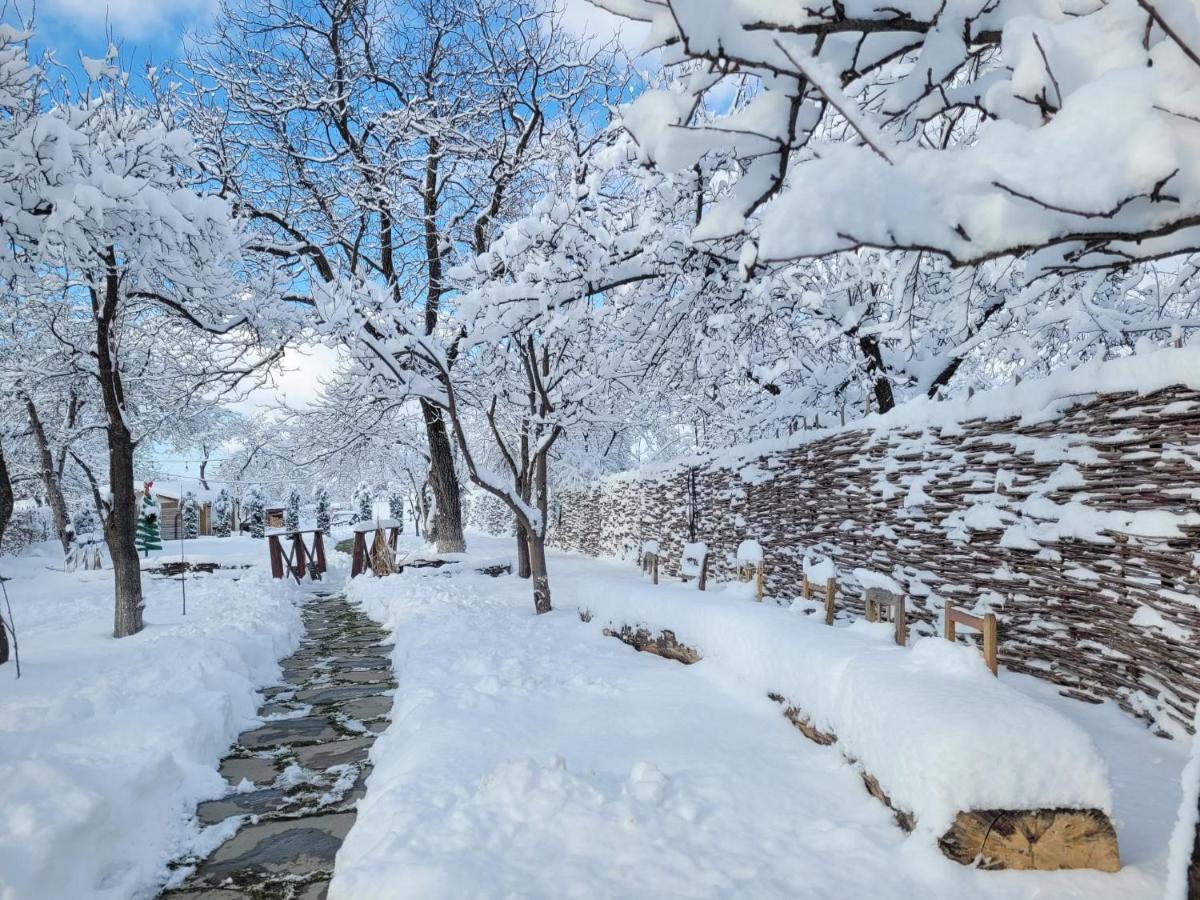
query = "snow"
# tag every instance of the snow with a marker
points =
(377, 524)
(106, 746)
(749, 553)
(532, 756)
(1183, 837)
(693, 558)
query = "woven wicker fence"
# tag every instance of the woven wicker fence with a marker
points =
(1080, 531)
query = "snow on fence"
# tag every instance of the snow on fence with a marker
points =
(1075, 521)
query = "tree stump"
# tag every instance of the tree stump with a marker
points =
(1033, 839)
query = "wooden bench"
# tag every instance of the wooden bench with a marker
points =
(879, 600)
(694, 563)
(985, 624)
(750, 565)
(300, 558)
(649, 558)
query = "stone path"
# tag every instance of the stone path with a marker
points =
(297, 778)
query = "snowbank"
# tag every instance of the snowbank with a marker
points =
(106, 746)
(1183, 838)
(530, 756)
(930, 722)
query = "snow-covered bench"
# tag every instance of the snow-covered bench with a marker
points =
(648, 559)
(750, 565)
(983, 771)
(694, 563)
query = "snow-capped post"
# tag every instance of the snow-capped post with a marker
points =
(222, 511)
(191, 516)
(324, 523)
(255, 514)
(148, 535)
(291, 515)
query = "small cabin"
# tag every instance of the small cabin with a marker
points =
(171, 518)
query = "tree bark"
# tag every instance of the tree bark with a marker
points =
(541, 575)
(49, 475)
(444, 481)
(523, 565)
(121, 524)
(6, 508)
(523, 535)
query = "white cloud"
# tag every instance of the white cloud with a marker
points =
(129, 19)
(296, 382)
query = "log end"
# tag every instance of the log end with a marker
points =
(1044, 839)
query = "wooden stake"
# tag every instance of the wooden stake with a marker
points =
(759, 588)
(989, 643)
(704, 571)
(830, 588)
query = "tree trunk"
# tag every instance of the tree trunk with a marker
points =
(541, 576)
(444, 480)
(49, 475)
(6, 508)
(523, 487)
(121, 525)
(523, 568)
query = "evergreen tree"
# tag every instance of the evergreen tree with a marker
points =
(255, 514)
(363, 504)
(323, 518)
(222, 511)
(84, 521)
(191, 516)
(148, 536)
(291, 515)
(395, 503)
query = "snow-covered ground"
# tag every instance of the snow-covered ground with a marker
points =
(106, 746)
(534, 757)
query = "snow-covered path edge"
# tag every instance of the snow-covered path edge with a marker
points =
(107, 746)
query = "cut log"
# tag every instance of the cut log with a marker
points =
(664, 644)
(1033, 839)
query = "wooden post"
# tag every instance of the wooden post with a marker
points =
(319, 550)
(704, 571)
(298, 556)
(901, 622)
(758, 591)
(830, 588)
(359, 557)
(989, 643)
(276, 556)
(654, 567)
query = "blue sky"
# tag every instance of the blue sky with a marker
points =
(144, 30)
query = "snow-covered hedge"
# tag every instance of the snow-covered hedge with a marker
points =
(930, 722)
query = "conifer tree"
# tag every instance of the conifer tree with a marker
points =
(323, 518)
(148, 536)
(255, 514)
(395, 503)
(191, 516)
(363, 504)
(222, 511)
(291, 515)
